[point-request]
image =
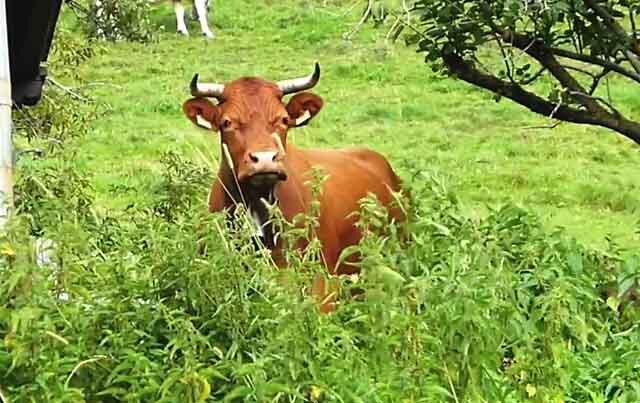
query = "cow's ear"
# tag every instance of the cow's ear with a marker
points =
(202, 112)
(302, 107)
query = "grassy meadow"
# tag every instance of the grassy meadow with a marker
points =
(519, 283)
(376, 94)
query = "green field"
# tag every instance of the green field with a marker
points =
(489, 301)
(377, 94)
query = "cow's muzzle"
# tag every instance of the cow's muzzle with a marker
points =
(266, 179)
(264, 168)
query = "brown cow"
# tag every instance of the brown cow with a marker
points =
(262, 165)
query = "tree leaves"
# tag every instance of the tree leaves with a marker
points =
(587, 33)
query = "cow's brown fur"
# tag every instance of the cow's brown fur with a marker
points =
(255, 110)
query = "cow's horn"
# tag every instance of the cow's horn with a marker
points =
(205, 89)
(300, 84)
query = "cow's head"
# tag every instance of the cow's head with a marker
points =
(253, 122)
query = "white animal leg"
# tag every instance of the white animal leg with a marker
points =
(179, 9)
(201, 8)
(194, 12)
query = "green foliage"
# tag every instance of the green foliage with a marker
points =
(44, 193)
(182, 180)
(69, 50)
(466, 25)
(56, 119)
(572, 44)
(136, 308)
(118, 20)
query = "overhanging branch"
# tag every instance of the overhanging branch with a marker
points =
(467, 72)
(599, 99)
(612, 23)
(540, 52)
(631, 52)
(597, 61)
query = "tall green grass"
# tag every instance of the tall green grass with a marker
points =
(163, 304)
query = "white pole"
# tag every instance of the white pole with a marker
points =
(6, 147)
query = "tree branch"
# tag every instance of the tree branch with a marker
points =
(367, 13)
(551, 126)
(467, 72)
(630, 52)
(602, 100)
(505, 58)
(596, 80)
(606, 17)
(633, 59)
(634, 32)
(68, 90)
(533, 77)
(538, 51)
(583, 71)
(594, 77)
(597, 61)
(513, 91)
(611, 22)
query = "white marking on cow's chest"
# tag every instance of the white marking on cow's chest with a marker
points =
(258, 224)
(260, 221)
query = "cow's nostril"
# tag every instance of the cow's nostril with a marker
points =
(275, 157)
(253, 157)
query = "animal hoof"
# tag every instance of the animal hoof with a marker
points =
(209, 35)
(183, 32)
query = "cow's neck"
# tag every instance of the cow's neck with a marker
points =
(257, 202)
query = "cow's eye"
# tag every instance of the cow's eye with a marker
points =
(226, 123)
(285, 120)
